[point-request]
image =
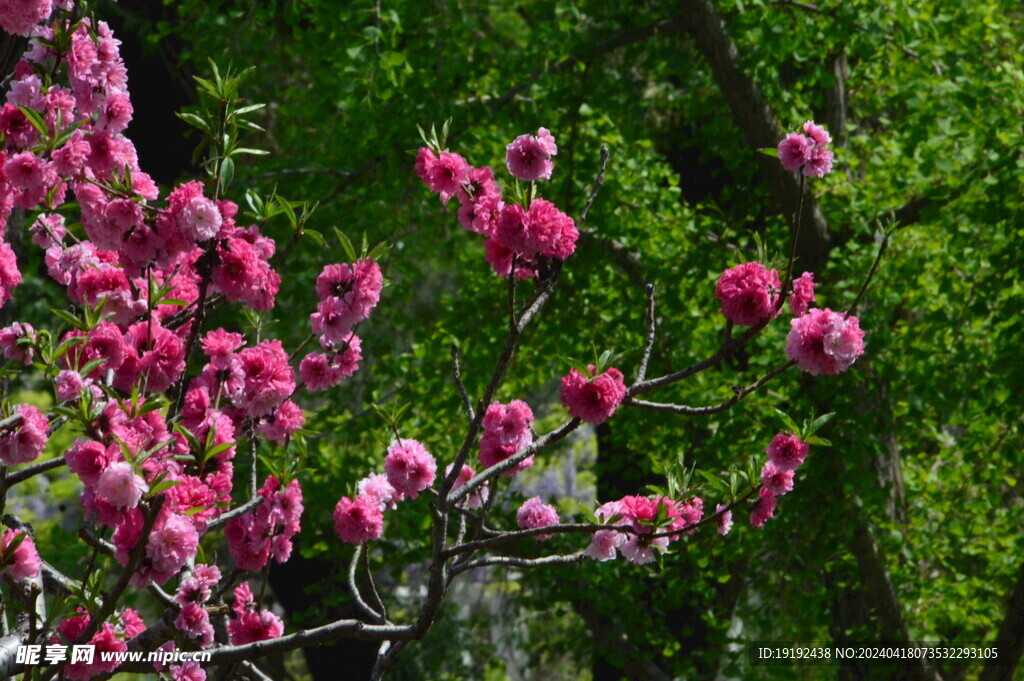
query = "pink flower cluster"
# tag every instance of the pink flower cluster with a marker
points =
(535, 513)
(348, 293)
(785, 454)
(593, 398)
(21, 562)
(267, 531)
(21, 17)
(110, 638)
(528, 236)
(250, 623)
(115, 485)
(507, 431)
(24, 441)
(409, 469)
(639, 515)
(825, 342)
(194, 590)
(807, 152)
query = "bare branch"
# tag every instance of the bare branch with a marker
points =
(525, 563)
(457, 375)
(357, 594)
(641, 372)
(33, 470)
(740, 393)
(235, 512)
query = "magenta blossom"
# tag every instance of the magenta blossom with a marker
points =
(825, 342)
(593, 399)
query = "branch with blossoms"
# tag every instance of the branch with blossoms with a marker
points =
(159, 404)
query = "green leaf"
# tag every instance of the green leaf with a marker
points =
(227, 172)
(316, 236)
(350, 251)
(162, 486)
(35, 119)
(195, 120)
(787, 421)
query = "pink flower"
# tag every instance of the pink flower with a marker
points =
(120, 487)
(197, 588)
(12, 349)
(358, 521)
(803, 293)
(244, 275)
(507, 431)
(26, 441)
(764, 510)
(279, 427)
(593, 399)
(155, 358)
(410, 468)
(528, 157)
(603, 545)
(20, 17)
(10, 277)
(749, 293)
(68, 385)
(376, 487)
(266, 532)
(724, 519)
(88, 459)
(188, 671)
(639, 550)
(795, 151)
(446, 174)
(23, 562)
(787, 452)
(535, 513)
(808, 152)
(478, 497)
(171, 544)
(543, 230)
(252, 625)
(777, 480)
(220, 346)
(825, 342)
(194, 622)
(268, 378)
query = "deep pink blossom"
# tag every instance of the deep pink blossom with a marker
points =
(187, 671)
(358, 520)
(268, 378)
(23, 562)
(88, 459)
(280, 425)
(410, 467)
(250, 624)
(12, 349)
(507, 431)
(10, 277)
(807, 152)
(170, 545)
(825, 342)
(764, 509)
(445, 174)
(535, 513)
(777, 480)
(787, 451)
(749, 293)
(803, 293)
(528, 157)
(194, 622)
(593, 399)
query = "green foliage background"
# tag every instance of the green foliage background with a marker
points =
(932, 104)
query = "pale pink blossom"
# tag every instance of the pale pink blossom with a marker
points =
(120, 486)
(824, 342)
(535, 513)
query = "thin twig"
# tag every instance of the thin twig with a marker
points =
(739, 394)
(641, 372)
(457, 375)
